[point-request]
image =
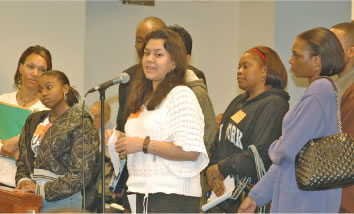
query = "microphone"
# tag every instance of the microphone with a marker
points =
(122, 78)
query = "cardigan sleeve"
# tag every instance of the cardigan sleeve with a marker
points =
(23, 162)
(262, 192)
(186, 127)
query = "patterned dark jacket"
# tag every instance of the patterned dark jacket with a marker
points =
(60, 156)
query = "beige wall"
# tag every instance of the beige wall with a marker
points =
(59, 26)
(294, 17)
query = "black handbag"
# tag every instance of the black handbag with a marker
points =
(326, 162)
(243, 187)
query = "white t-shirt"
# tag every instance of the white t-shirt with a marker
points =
(38, 134)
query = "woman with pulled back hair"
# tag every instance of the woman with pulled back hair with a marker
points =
(51, 161)
(252, 118)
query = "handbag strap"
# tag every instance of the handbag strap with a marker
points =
(259, 163)
(339, 121)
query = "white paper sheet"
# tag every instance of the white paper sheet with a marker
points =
(229, 183)
(214, 200)
(112, 151)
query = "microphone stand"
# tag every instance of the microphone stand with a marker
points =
(102, 98)
(123, 78)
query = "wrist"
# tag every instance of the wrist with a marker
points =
(216, 172)
(212, 175)
(222, 170)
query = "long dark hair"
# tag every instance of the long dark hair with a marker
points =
(324, 43)
(39, 50)
(72, 96)
(142, 87)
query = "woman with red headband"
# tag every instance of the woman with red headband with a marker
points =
(252, 118)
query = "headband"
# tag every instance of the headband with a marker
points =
(259, 53)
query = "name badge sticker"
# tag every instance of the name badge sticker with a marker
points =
(238, 116)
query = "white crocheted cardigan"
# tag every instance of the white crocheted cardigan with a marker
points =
(179, 120)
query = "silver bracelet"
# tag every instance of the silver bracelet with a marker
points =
(153, 150)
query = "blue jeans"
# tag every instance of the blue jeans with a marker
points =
(72, 202)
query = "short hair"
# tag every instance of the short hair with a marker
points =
(37, 49)
(73, 96)
(276, 75)
(142, 86)
(348, 28)
(186, 37)
(155, 20)
(325, 44)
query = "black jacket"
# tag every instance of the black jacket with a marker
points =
(260, 125)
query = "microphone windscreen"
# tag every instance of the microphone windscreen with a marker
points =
(125, 77)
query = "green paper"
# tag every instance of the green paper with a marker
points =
(12, 119)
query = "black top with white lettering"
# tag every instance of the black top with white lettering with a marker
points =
(257, 121)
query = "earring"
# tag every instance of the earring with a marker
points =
(65, 96)
(316, 69)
